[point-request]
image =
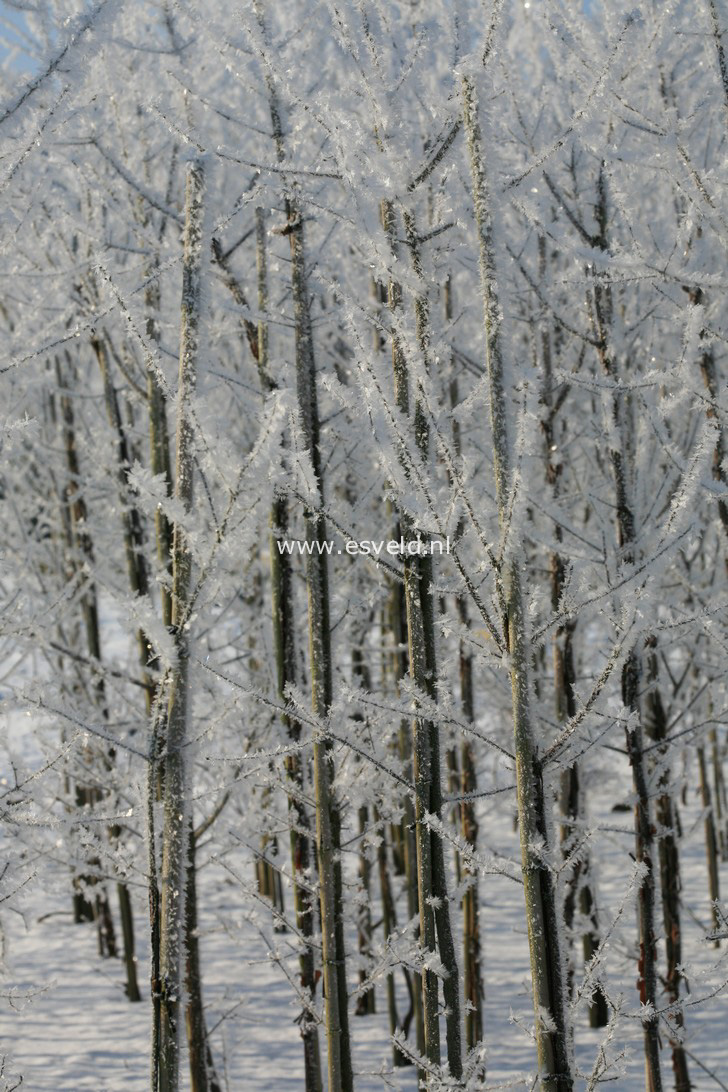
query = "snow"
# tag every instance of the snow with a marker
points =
(595, 205)
(77, 1031)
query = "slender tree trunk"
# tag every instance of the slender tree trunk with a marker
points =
(327, 811)
(656, 728)
(388, 926)
(473, 979)
(422, 757)
(340, 1075)
(632, 674)
(107, 943)
(711, 843)
(303, 901)
(394, 669)
(131, 517)
(721, 804)
(472, 971)
(203, 1077)
(284, 641)
(644, 854)
(544, 933)
(83, 907)
(396, 622)
(173, 939)
(284, 637)
(434, 906)
(268, 877)
(709, 372)
(79, 543)
(160, 465)
(579, 895)
(366, 1002)
(159, 444)
(126, 915)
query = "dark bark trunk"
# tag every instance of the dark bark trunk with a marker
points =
(656, 728)
(203, 1077)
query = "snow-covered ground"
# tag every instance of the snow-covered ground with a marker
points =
(66, 1025)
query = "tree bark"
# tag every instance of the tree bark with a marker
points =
(102, 910)
(632, 675)
(656, 728)
(340, 1074)
(173, 939)
(711, 843)
(468, 784)
(203, 1077)
(284, 643)
(544, 933)
(434, 906)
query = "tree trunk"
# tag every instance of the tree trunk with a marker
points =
(719, 790)
(473, 979)
(631, 675)
(366, 1002)
(176, 818)
(579, 896)
(203, 1077)
(396, 621)
(422, 758)
(102, 910)
(340, 1076)
(468, 784)
(284, 642)
(544, 933)
(711, 844)
(656, 727)
(327, 811)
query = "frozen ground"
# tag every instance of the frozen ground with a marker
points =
(66, 1025)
